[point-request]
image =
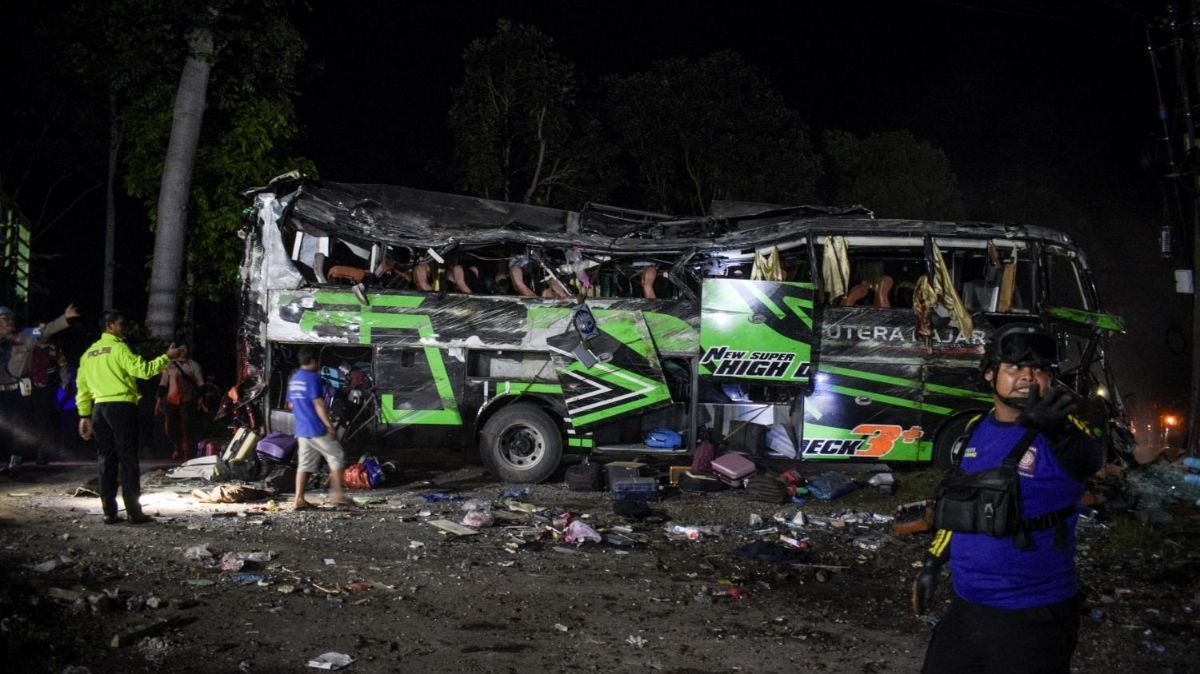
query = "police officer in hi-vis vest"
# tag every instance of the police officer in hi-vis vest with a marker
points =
(107, 402)
(1016, 598)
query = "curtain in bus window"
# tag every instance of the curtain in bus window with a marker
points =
(940, 291)
(835, 267)
(1008, 284)
(767, 267)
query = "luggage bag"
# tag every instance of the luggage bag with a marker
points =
(733, 469)
(278, 447)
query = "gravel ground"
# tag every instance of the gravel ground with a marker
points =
(384, 586)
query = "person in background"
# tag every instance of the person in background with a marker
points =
(314, 431)
(107, 400)
(44, 372)
(16, 386)
(179, 391)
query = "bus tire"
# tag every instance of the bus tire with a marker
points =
(521, 444)
(943, 444)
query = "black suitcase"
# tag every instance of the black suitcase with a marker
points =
(584, 477)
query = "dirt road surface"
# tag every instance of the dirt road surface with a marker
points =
(384, 586)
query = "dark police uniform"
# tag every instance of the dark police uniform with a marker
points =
(1016, 608)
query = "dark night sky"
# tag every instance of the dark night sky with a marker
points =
(973, 81)
(1058, 95)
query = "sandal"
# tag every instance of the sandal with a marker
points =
(307, 505)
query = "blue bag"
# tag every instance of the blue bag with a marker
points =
(374, 472)
(830, 485)
(664, 438)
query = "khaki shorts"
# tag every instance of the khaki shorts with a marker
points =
(313, 450)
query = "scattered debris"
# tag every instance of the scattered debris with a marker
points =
(478, 519)
(128, 637)
(831, 485)
(330, 660)
(44, 567)
(693, 532)
(198, 553)
(776, 553)
(453, 528)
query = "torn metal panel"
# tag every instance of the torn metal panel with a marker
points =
(419, 220)
(612, 376)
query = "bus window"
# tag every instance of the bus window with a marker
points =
(511, 365)
(995, 280)
(1065, 288)
(795, 265)
(882, 277)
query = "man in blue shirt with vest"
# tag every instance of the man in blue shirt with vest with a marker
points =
(1016, 603)
(314, 431)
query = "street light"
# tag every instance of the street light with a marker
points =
(1169, 421)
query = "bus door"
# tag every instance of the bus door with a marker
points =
(756, 360)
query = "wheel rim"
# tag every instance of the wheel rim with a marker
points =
(522, 447)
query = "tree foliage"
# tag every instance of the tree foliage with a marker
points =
(249, 122)
(695, 131)
(519, 133)
(893, 173)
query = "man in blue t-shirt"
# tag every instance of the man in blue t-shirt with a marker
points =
(1016, 603)
(314, 431)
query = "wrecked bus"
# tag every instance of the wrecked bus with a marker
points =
(523, 333)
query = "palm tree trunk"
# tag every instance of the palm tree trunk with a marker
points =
(171, 228)
(110, 206)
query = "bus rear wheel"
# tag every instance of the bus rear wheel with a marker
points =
(521, 444)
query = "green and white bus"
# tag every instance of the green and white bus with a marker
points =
(523, 333)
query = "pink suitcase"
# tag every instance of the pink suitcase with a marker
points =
(733, 469)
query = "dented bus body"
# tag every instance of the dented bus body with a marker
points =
(793, 332)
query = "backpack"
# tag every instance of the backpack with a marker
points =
(278, 477)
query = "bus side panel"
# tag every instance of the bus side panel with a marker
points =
(953, 383)
(626, 379)
(756, 331)
(868, 400)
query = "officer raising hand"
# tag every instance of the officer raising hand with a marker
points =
(1016, 597)
(107, 402)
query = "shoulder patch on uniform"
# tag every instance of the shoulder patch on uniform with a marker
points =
(1025, 467)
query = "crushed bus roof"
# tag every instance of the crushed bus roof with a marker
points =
(419, 219)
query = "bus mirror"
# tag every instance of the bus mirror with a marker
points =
(584, 322)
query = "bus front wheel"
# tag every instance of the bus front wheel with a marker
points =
(521, 443)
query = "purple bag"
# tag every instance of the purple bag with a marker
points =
(278, 447)
(703, 457)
